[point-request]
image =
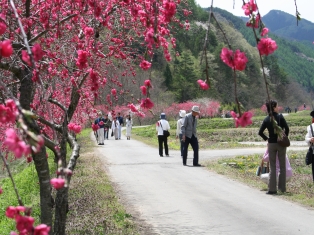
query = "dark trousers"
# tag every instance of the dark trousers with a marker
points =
(194, 143)
(274, 149)
(106, 133)
(163, 140)
(181, 144)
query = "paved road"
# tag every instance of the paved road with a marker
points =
(183, 200)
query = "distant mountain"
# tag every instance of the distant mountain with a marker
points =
(285, 25)
(294, 56)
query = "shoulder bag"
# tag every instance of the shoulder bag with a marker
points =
(165, 132)
(309, 154)
(284, 140)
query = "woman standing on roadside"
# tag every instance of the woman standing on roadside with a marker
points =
(128, 124)
(274, 148)
(115, 127)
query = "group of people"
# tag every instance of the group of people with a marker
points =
(186, 132)
(115, 124)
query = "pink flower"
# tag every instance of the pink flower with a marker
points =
(57, 183)
(133, 108)
(244, 120)
(42, 229)
(38, 53)
(114, 92)
(145, 65)
(266, 46)
(101, 123)
(6, 48)
(26, 58)
(11, 212)
(95, 127)
(8, 112)
(147, 103)
(240, 60)
(81, 61)
(149, 36)
(249, 7)
(254, 22)
(1, 190)
(148, 83)
(203, 85)
(235, 60)
(144, 90)
(14, 144)
(24, 223)
(264, 31)
(3, 27)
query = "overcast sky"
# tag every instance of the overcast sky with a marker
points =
(305, 7)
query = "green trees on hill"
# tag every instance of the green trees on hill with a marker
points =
(286, 65)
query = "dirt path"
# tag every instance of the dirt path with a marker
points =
(176, 199)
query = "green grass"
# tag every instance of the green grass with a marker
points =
(26, 181)
(300, 188)
(94, 205)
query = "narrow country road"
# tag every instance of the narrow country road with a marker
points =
(184, 200)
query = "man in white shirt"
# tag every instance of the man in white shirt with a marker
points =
(161, 126)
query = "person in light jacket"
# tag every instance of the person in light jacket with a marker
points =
(128, 124)
(115, 127)
(162, 125)
(180, 122)
(189, 135)
(309, 139)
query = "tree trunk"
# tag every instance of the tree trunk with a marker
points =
(61, 211)
(40, 158)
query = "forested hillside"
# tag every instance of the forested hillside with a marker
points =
(285, 25)
(181, 74)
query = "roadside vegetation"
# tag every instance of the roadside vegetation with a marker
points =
(215, 133)
(94, 207)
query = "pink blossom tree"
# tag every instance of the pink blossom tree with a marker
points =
(56, 57)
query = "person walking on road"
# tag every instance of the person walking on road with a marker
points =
(128, 124)
(100, 121)
(115, 128)
(120, 119)
(189, 136)
(161, 126)
(274, 148)
(180, 122)
(309, 139)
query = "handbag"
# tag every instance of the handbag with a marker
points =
(309, 154)
(111, 133)
(284, 140)
(262, 169)
(165, 132)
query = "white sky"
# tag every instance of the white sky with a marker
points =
(305, 7)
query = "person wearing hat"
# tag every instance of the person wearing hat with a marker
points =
(161, 126)
(180, 122)
(309, 139)
(189, 136)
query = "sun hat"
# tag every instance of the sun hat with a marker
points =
(162, 116)
(312, 114)
(182, 113)
(196, 109)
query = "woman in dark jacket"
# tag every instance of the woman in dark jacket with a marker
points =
(274, 148)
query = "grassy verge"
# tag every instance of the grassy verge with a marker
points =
(300, 188)
(94, 206)
(25, 177)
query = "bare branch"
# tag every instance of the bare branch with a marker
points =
(53, 101)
